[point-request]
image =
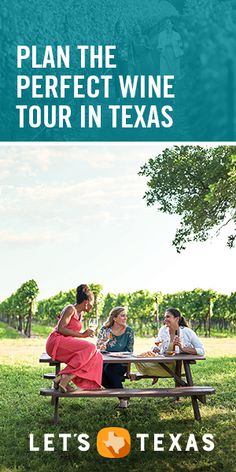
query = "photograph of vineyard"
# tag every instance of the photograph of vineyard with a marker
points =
(149, 226)
(204, 69)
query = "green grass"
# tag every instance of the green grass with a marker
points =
(217, 334)
(23, 411)
(6, 332)
(41, 330)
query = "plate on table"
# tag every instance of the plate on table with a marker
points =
(119, 354)
(150, 355)
(114, 354)
(126, 353)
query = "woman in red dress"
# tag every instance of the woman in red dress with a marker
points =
(67, 344)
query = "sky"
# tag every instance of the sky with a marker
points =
(72, 214)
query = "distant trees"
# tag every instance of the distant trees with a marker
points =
(206, 310)
(19, 308)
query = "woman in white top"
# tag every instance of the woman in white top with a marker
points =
(187, 341)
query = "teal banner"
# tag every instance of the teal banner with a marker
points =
(132, 70)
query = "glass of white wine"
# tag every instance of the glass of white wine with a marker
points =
(93, 325)
(107, 339)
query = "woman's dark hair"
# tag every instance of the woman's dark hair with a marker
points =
(176, 313)
(83, 293)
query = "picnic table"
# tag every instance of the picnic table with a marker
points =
(183, 387)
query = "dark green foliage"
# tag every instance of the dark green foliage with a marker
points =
(18, 309)
(197, 183)
(205, 309)
(49, 309)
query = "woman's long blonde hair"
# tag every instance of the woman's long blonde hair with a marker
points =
(113, 314)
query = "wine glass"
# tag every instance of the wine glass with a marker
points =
(158, 344)
(93, 325)
(105, 340)
(108, 337)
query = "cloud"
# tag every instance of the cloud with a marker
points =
(27, 160)
(57, 198)
(35, 238)
(8, 237)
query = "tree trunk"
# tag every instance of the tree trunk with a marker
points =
(27, 330)
(157, 315)
(20, 324)
(26, 326)
(210, 316)
(205, 326)
(141, 328)
(30, 320)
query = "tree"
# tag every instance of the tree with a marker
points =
(203, 308)
(199, 185)
(20, 307)
(27, 296)
(141, 310)
(98, 299)
(111, 300)
(196, 306)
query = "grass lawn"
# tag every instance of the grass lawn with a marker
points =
(23, 411)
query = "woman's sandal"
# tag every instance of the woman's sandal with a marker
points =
(60, 387)
(56, 382)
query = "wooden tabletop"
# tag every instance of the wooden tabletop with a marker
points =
(132, 358)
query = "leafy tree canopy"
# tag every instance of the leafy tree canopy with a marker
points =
(197, 183)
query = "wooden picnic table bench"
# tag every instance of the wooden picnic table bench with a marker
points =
(183, 388)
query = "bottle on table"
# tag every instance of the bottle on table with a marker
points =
(175, 346)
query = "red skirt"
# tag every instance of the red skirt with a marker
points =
(83, 359)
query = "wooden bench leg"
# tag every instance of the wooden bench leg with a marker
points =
(57, 370)
(201, 398)
(197, 414)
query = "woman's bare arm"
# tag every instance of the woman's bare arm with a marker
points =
(64, 321)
